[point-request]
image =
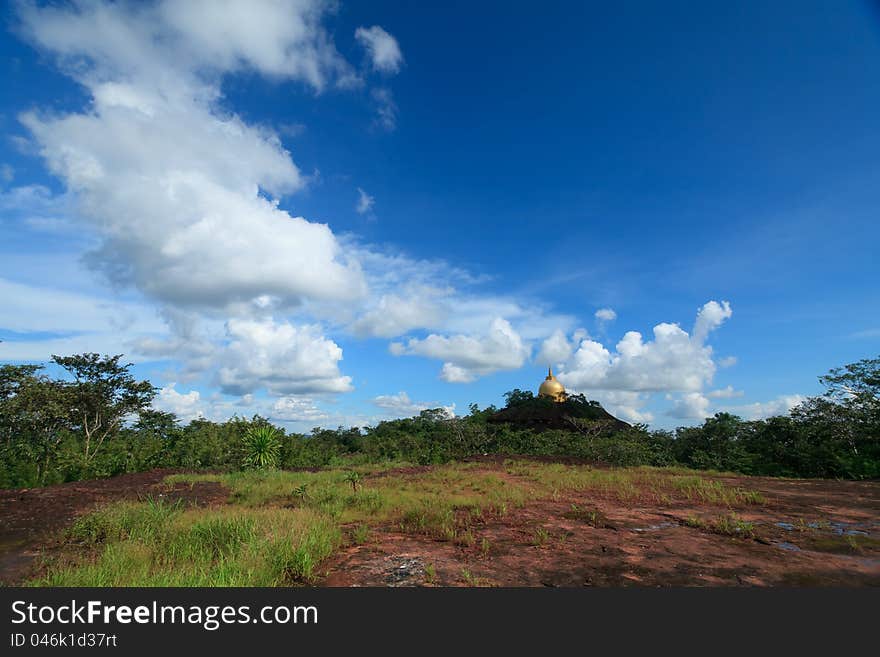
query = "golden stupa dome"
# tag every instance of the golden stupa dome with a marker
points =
(552, 388)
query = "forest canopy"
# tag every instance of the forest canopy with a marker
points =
(97, 420)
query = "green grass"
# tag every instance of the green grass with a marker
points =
(231, 546)
(279, 526)
(727, 525)
(430, 574)
(655, 485)
(542, 536)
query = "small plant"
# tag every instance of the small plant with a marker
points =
(301, 492)
(360, 534)
(354, 479)
(262, 446)
(730, 525)
(541, 537)
(485, 546)
(733, 526)
(467, 538)
(468, 577)
(693, 521)
(591, 517)
(430, 574)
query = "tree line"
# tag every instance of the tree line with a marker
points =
(97, 420)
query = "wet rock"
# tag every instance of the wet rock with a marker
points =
(404, 571)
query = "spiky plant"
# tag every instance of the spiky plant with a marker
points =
(262, 446)
(354, 479)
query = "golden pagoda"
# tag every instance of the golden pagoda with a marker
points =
(551, 388)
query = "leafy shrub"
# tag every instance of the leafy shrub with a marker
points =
(262, 445)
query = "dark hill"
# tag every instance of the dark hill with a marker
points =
(539, 414)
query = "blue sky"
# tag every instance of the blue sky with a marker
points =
(332, 216)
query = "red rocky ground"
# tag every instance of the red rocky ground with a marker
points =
(808, 533)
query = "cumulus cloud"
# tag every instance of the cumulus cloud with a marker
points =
(400, 405)
(297, 409)
(382, 48)
(555, 349)
(710, 317)
(187, 406)
(176, 186)
(183, 194)
(279, 357)
(408, 294)
(396, 314)
(761, 410)
(626, 405)
(606, 315)
(470, 356)
(176, 199)
(691, 405)
(168, 43)
(672, 361)
(365, 202)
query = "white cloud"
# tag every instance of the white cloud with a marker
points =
(691, 405)
(365, 202)
(76, 322)
(386, 108)
(7, 173)
(186, 406)
(710, 317)
(30, 308)
(606, 315)
(725, 393)
(452, 373)
(280, 358)
(34, 349)
(672, 361)
(297, 409)
(624, 404)
(727, 361)
(383, 49)
(555, 349)
(760, 410)
(168, 43)
(173, 184)
(408, 294)
(177, 204)
(394, 314)
(625, 379)
(400, 405)
(36, 207)
(470, 356)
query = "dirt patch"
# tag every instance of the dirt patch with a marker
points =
(405, 470)
(816, 533)
(29, 518)
(807, 533)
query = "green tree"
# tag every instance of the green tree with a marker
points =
(34, 415)
(103, 395)
(842, 426)
(516, 396)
